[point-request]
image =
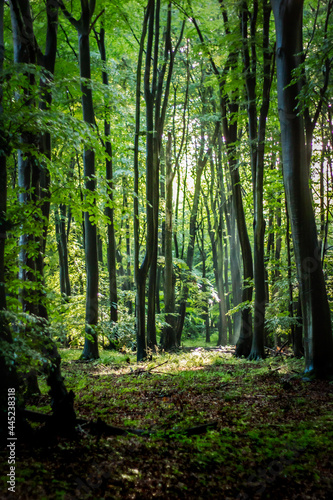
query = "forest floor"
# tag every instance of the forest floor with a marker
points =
(271, 434)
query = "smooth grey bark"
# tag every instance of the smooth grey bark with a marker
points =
(82, 26)
(216, 229)
(215, 239)
(205, 306)
(235, 268)
(317, 330)
(220, 227)
(168, 335)
(243, 345)
(152, 97)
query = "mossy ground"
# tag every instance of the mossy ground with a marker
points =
(273, 436)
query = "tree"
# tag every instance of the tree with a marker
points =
(109, 211)
(157, 80)
(317, 328)
(257, 132)
(3, 179)
(30, 166)
(83, 28)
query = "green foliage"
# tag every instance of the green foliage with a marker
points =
(121, 335)
(31, 342)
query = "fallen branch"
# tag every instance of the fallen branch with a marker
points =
(140, 370)
(276, 369)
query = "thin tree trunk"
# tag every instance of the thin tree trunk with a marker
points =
(82, 26)
(109, 211)
(140, 272)
(168, 340)
(61, 237)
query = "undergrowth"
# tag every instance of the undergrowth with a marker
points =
(268, 434)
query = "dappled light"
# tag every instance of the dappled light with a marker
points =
(166, 249)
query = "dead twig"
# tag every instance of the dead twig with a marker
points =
(140, 370)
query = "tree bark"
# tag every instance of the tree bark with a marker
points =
(140, 273)
(168, 340)
(61, 236)
(109, 211)
(3, 180)
(90, 350)
(318, 340)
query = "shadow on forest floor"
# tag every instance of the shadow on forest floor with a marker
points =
(273, 435)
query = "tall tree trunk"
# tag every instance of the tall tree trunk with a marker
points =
(156, 106)
(3, 180)
(243, 345)
(90, 350)
(31, 179)
(140, 272)
(317, 328)
(168, 337)
(109, 211)
(257, 148)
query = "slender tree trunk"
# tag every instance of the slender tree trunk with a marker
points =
(109, 211)
(257, 148)
(140, 272)
(234, 267)
(90, 350)
(168, 340)
(317, 328)
(243, 345)
(215, 239)
(82, 26)
(61, 236)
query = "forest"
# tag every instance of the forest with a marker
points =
(166, 249)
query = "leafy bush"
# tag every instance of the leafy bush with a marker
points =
(121, 335)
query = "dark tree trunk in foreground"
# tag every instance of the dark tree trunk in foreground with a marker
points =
(82, 26)
(32, 176)
(317, 328)
(3, 183)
